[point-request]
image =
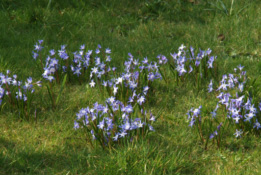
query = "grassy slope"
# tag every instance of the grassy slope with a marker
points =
(145, 29)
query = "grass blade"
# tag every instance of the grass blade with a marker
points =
(61, 89)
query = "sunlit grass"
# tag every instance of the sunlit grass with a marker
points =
(50, 145)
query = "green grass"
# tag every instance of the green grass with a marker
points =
(144, 28)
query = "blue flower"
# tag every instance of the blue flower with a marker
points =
(101, 124)
(196, 112)
(141, 100)
(76, 125)
(123, 134)
(129, 109)
(210, 86)
(211, 136)
(236, 118)
(257, 125)
(92, 83)
(238, 133)
(115, 138)
(108, 51)
(82, 47)
(38, 47)
(191, 123)
(151, 128)
(35, 55)
(210, 62)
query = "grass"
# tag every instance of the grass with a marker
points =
(144, 28)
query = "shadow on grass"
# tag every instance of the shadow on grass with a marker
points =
(15, 159)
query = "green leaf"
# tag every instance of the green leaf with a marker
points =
(162, 76)
(61, 89)
(50, 94)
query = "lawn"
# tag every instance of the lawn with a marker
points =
(43, 140)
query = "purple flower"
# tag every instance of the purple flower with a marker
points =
(151, 76)
(82, 47)
(141, 100)
(196, 112)
(126, 126)
(76, 125)
(119, 80)
(108, 58)
(92, 83)
(210, 62)
(93, 136)
(145, 61)
(257, 125)
(197, 62)
(123, 134)
(241, 87)
(219, 126)
(213, 113)
(38, 47)
(97, 51)
(40, 41)
(238, 133)
(181, 69)
(111, 100)
(77, 71)
(50, 78)
(101, 124)
(52, 52)
(210, 86)
(223, 86)
(236, 118)
(190, 69)
(129, 109)
(182, 47)
(115, 138)
(252, 109)
(35, 55)
(108, 51)
(151, 128)
(115, 90)
(240, 67)
(192, 121)
(162, 59)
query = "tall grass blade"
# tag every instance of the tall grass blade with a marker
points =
(61, 89)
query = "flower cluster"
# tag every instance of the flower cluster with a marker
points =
(84, 65)
(37, 48)
(114, 121)
(235, 103)
(124, 115)
(83, 62)
(193, 115)
(17, 93)
(186, 60)
(239, 107)
(96, 64)
(137, 77)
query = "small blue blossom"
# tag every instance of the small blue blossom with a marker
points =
(238, 133)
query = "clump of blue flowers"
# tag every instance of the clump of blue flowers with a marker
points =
(186, 65)
(60, 67)
(16, 94)
(84, 64)
(114, 123)
(124, 116)
(235, 108)
(136, 79)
